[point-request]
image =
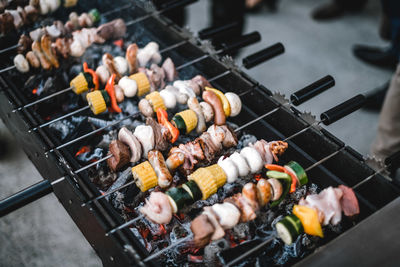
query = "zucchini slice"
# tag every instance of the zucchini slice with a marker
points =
(192, 188)
(179, 197)
(300, 173)
(289, 228)
(179, 123)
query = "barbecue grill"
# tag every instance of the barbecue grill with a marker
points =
(265, 114)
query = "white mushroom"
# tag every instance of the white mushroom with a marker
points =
(21, 63)
(235, 103)
(253, 159)
(208, 111)
(121, 65)
(240, 163)
(227, 213)
(53, 5)
(230, 169)
(103, 74)
(128, 85)
(127, 137)
(145, 135)
(169, 99)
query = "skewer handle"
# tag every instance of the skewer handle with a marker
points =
(175, 4)
(24, 197)
(336, 113)
(243, 41)
(211, 32)
(312, 90)
(263, 55)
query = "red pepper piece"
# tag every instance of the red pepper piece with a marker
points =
(119, 43)
(94, 75)
(111, 92)
(274, 167)
(162, 117)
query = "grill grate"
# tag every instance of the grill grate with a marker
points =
(309, 145)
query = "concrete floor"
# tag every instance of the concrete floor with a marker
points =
(42, 234)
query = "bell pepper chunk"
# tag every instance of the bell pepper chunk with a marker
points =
(309, 219)
(274, 167)
(162, 118)
(111, 92)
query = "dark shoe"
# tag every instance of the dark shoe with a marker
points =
(376, 98)
(384, 58)
(327, 11)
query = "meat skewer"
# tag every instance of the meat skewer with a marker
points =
(205, 181)
(308, 216)
(15, 19)
(74, 46)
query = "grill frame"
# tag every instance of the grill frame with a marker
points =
(123, 248)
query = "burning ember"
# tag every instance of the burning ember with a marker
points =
(83, 149)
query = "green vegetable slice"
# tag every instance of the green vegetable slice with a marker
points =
(89, 79)
(289, 228)
(179, 123)
(192, 188)
(180, 196)
(299, 171)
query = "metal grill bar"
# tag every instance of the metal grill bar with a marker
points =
(91, 133)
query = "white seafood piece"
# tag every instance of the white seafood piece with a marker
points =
(157, 208)
(21, 63)
(128, 85)
(240, 163)
(53, 31)
(156, 58)
(230, 169)
(253, 159)
(168, 98)
(77, 49)
(235, 103)
(121, 65)
(152, 47)
(180, 98)
(145, 135)
(208, 111)
(227, 213)
(218, 230)
(104, 74)
(127, 137)
(184, 88)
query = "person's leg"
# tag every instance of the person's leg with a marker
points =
(387, 57)
(387, 140)
(336, 8)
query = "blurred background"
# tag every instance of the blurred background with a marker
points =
(31, 236)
